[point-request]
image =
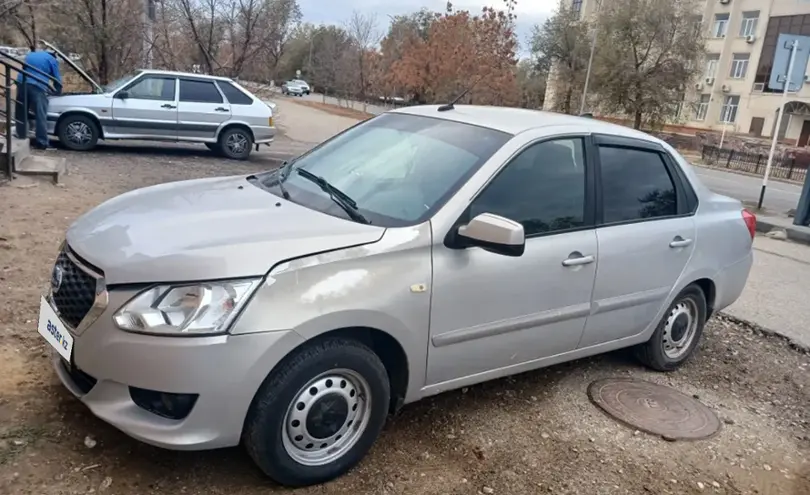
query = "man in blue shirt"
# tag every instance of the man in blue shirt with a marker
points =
(35, 91)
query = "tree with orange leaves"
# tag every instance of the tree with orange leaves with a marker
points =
(459, 50)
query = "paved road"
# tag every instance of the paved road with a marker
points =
(779, 196)
(373, 109)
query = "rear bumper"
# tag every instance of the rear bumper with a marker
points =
(730, 282)
(263, 135)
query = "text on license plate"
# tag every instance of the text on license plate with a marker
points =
(55, 332)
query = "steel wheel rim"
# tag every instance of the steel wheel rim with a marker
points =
(313, 437)
(78, 132)
(680, 328)
(237, 143)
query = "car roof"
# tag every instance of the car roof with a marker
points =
(516, 120)
(184, 74)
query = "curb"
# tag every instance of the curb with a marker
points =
(794, 233)
(791, 342)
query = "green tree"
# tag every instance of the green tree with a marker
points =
(653, 56)
(563, 45)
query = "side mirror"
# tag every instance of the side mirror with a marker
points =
(122, 95)
(494, 233)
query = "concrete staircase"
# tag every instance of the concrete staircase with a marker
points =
(26, 163)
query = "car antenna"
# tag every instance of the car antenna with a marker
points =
(451, 105)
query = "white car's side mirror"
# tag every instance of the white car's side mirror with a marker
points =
(494, 233)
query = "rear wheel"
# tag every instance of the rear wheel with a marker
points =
(678, 334)
(78, 132)
(317, 416)
(235, 143)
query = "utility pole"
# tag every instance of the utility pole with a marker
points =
(794, 47)
(590, 61)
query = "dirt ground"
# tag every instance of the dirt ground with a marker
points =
(534, 433)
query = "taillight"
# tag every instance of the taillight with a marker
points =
(750, 221)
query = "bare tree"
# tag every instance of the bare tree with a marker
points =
(364, 35)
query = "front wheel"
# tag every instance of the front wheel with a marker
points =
(678, 334)
(235, 143)
(78, 132)
(319, 413)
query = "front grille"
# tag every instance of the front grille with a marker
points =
(76, 293)
(83, 381)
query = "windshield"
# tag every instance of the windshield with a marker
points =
(119, 83)
(399, 169)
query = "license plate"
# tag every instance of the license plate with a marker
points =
(54, 331)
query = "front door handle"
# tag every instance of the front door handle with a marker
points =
(221, 109)
(576, 259)
(679, 242)
(168, 105)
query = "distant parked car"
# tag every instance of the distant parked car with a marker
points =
(294, 88)
(162, 106)
(303, 85)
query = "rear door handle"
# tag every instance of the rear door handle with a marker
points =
(576, 259)
(167, 105)
(221, 109)
(679, 242)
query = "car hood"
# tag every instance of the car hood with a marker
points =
(69, 101)
(205, 229)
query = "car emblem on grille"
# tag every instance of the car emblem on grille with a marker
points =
(56, 278)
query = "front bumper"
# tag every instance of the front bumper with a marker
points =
(225, 371)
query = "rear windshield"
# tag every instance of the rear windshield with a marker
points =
(399, 169)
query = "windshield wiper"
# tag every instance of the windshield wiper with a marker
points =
(342, 199)
(282, 176)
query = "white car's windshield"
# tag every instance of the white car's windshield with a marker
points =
(120, 82)
(399, 169)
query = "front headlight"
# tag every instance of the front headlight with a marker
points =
(203, 308)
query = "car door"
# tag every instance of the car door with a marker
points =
(491, 311)
(146, 108)
(201, 110)
(646, 236)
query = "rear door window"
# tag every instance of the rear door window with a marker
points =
(199, 91)
(636, 185)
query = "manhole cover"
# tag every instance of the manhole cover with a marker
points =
(654, 408)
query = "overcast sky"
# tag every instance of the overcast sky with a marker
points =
(529, 12)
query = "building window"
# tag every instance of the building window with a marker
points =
(749, 24)
(720, 26)
(788, 24)
(702, 107)
(739, 66)
(711, 65)
(728, 112)
(576, 6)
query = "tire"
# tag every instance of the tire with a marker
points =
(235, 143)
(78, 132)
(283, 447)
(662, 352)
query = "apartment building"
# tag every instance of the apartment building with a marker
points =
(732, 91)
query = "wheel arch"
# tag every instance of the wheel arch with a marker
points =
(84, 113)
(231, 125)
(710, 291)
(383, 344)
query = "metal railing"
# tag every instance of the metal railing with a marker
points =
(13, 67)
(787, 167)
